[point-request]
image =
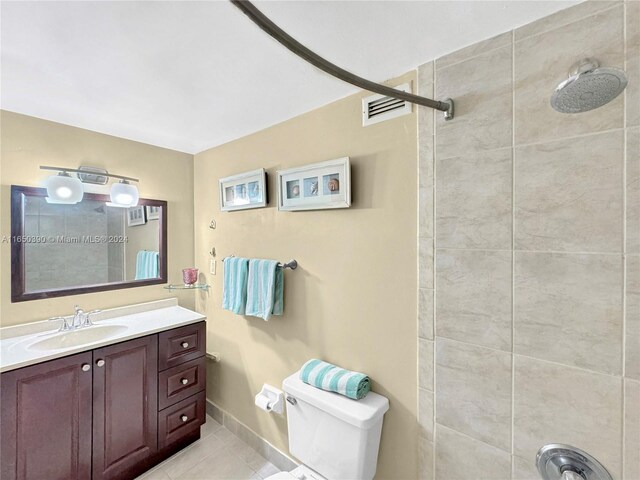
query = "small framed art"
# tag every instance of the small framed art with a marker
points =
(243, 191)
(153, 212)
(316, 186)
(136, 216)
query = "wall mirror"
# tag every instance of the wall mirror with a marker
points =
(69, 249)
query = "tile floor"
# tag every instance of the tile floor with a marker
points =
(218, 455)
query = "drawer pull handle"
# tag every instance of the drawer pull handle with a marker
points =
(184, 381)
(185, 344)
(86, 367)
(100, 363)
(184, 418)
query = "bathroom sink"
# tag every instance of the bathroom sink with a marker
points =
(76, 338)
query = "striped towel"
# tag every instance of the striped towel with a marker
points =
(328, 377)
(147, 265)
(265, 289)
(234, 287)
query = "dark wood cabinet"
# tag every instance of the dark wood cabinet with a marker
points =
(125, 407)
(46, 420)
(180, 420)
(181, 381)
(96, 415)
(181, 386)
(181, 345)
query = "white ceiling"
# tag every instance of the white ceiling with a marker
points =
(191, 75)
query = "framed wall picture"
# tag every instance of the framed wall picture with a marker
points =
(243, 191)
(136, 216)
(153, 212)
(316, 186)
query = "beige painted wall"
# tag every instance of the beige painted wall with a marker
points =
(352, 299)
(536, 335)
(27, 143)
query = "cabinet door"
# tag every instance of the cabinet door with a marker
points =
(125, 407)
(46, 420)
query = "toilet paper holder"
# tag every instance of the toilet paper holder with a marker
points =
(270, 399)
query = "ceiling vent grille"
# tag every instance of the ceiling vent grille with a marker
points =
(378, 108)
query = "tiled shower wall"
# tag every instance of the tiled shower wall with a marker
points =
(529, 240)
(60, 265)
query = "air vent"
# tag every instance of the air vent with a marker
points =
(378, 108)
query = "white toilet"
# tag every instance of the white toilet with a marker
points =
(334, 437)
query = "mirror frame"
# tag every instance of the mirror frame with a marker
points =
(18, 277)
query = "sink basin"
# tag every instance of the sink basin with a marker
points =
(76, 338)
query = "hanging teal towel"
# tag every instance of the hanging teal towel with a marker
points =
(234, 287)
(265, 289)
(329, 377)
(147, 265)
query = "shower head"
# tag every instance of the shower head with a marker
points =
(589, 86)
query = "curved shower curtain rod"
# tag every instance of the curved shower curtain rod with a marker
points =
(296, 47)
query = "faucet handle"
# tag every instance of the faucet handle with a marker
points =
(63, 326)
(78, 309)
(87, 318)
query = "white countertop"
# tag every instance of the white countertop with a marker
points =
(140, 320)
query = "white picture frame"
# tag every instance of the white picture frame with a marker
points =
(243, 191)
(136, 216)
(315, 187)
(153, 212)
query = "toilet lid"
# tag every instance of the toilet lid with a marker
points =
(281, 476)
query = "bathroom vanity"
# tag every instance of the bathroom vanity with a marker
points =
(110, 409)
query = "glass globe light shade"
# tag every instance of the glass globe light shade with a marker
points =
(63, 188)
(124, 194)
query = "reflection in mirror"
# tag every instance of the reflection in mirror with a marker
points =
(65, 249)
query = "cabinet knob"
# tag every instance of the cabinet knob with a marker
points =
(184, 381)
(185, 344)
(184, 418)
(86, 367)
(100, 363)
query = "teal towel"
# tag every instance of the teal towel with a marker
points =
(234, 287)
(328, 377)
(265, 289)
(147, 265)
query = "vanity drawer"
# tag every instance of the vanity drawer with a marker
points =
(180, 382)
(181, 344)
(181, 419)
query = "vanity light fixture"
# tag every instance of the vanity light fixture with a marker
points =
(123, 194)
(63, 188)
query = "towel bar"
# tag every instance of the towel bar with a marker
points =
(292, 264)
(214, 356)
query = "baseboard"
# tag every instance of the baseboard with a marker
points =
(263, 447)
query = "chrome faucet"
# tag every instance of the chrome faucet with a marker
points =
(87, 318)
(64, 326)
(81, 319)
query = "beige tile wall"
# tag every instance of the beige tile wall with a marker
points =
(426, 304)
(529, 289)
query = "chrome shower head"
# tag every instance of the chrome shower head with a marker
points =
(589, 86)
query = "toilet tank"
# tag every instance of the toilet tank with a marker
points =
(334, 435)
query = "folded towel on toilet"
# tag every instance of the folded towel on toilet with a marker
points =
(234, 286)
(329, 377)
(265, 287)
